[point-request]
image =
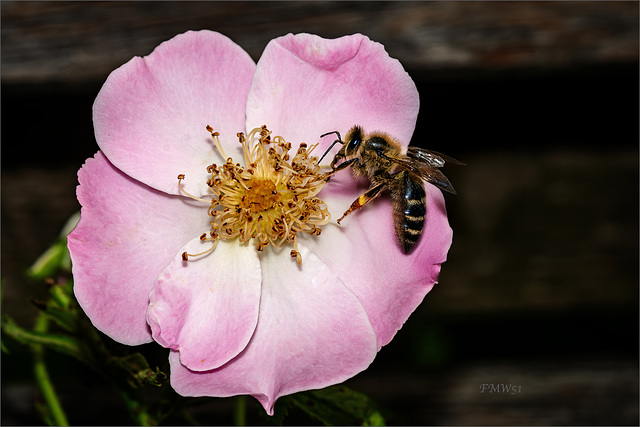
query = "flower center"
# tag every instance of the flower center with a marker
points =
(261, 195)
(270, 200)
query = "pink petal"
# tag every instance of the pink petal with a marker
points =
(306, 86)
(365, 252)
(207, 308)
(312, 332)
(150, 116)
(127, 234)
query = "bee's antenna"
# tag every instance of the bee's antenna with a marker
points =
(339, 140)
(329, 133)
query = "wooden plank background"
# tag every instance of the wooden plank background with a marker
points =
(540, 99)
(75, 41)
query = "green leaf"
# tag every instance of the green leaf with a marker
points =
(69, 225)
(375, 419)
(61, 307)
(59, 342)
(57, 256)
(62, 294)
(339, 405)
(49, 262)
(67, 319)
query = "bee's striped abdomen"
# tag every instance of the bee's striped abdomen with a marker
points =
(409, 210)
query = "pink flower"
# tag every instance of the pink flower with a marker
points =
(239, 321)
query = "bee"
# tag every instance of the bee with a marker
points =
(379, 158)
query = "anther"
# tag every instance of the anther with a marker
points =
(270, 200)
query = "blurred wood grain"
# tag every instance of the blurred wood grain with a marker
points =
(73, 42)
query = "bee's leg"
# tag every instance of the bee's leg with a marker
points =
(364, 198)
(341, 166)
(339, 140)
(344, 164)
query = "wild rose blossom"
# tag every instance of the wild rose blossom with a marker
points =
(238, 320)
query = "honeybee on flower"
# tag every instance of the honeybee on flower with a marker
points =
(244, 317)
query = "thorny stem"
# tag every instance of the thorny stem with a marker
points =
(43, 380)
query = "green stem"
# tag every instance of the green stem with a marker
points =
(43, 380)
(137, 411)
(240, 411)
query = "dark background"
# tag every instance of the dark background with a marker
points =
(540, 100)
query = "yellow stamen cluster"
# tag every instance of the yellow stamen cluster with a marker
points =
(270, 199)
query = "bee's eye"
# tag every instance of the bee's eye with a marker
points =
(353, 144)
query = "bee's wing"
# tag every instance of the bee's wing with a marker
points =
(425, 164)
(431, 157)
(429, 174)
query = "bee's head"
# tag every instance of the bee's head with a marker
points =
(353, 141)
(350, 146)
